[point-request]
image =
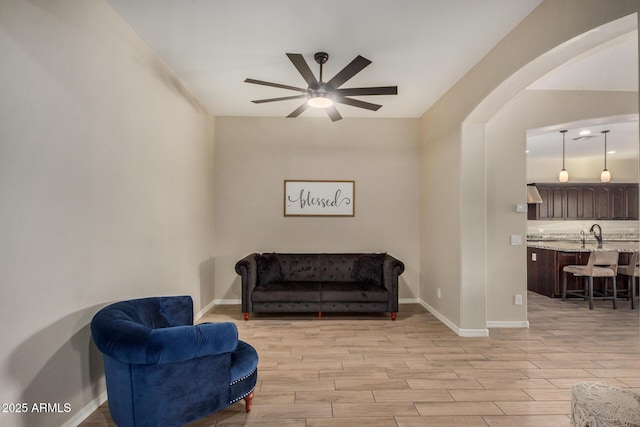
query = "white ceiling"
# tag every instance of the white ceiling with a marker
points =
(610, 67)
(422, 46)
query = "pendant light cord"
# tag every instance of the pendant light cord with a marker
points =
(605, 148)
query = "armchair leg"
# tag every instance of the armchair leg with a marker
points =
(248, 401)
(246, 316)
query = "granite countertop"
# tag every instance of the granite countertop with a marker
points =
(589, 246)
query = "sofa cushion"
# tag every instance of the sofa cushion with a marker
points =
(287, 291)
(369, 269)
(269, 270)
(353, 291)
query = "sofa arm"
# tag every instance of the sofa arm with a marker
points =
(393, 265)
(391, 269)
(247, 268)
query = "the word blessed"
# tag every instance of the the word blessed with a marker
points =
(306, 199)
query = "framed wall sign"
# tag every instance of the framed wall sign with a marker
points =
(319, 198)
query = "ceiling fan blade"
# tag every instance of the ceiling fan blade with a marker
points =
(298, 111)
(353, 68)
(357, 103)
(381, 90)
(284, 98)
(278, 85)
(303, 68)
(333, 114)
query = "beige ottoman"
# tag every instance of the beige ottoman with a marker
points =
(602, 405)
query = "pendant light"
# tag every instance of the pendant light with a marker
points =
(605, 176)
(564, 175)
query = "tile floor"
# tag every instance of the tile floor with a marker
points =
(368, 370)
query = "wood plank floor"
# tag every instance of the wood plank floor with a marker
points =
(366, 369)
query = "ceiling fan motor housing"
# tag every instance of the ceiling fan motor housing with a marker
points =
(321, 57)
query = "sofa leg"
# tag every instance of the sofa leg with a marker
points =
(248, 401)
(393, 316)
(246, 316)
(319, 315)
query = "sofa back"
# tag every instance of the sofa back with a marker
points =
(318, 267)
(322, 267)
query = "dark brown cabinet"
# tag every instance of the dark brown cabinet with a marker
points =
(586, 201)
(545, 275)
(544, 270)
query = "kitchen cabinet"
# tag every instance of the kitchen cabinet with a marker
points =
(545, 275)
(586, 201)
(544, 270)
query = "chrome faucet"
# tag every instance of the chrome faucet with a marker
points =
(583, 237)
(597, 235)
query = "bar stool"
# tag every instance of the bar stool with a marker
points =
(631, 271)
(600, 264)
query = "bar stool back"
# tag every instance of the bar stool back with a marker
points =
(600, 264)
(631, 271)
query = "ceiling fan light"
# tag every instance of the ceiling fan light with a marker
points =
(605, 176)
(320, 100)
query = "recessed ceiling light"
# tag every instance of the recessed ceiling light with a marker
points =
(585, 132)
(611, 152)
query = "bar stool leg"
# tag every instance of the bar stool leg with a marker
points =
(615, 296)
(590, 292)
(564, 286)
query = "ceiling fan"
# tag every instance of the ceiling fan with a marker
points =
(321, 94)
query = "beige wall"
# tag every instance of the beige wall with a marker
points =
(255, 155)
(440, 216)
(106, 173)
(450, 126)
(506, 180)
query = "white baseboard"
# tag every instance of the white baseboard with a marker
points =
(459, 331)
(204, 310)
(227, 301)
(88, 409)
(507, 324)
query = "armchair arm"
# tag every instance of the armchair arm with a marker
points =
(247, 268)
(133, 343)
(189, 342)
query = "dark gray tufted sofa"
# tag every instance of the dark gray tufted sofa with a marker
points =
(322, 282)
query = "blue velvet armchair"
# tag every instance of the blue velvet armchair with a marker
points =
(162, 370)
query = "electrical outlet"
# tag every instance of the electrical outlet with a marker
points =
(534, 257)
(439, 293)
(517, 300)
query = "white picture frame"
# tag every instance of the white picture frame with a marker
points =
(319, 198)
